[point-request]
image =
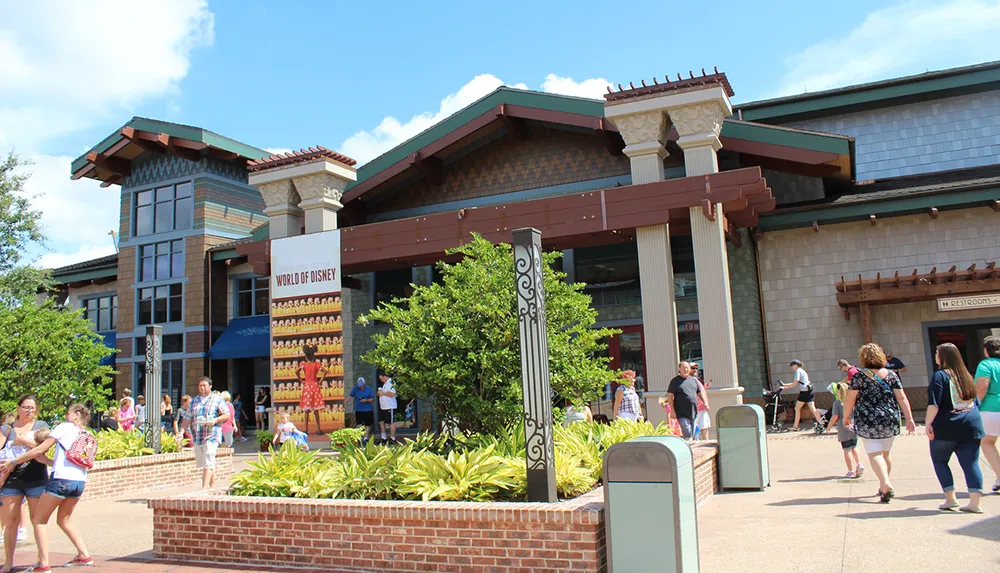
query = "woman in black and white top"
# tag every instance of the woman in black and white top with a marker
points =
(806, 397)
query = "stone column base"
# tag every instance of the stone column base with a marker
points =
(655, 413)
(721, 397)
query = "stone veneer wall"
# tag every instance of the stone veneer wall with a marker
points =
(748, 322)
(799, 268)
(114, 478)
(394, 536)
(357, 338)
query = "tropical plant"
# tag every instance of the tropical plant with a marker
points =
(113, 444)
(346, 436)
(264, 437)
(457, 341)
(475, 475)
(277, 475)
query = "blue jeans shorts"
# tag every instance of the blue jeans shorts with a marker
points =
(65, 488)
(30, 493)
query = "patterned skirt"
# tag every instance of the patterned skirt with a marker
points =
(311, 399)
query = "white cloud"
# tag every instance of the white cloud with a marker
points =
(905, 39)
(67, 65)
(594, 88)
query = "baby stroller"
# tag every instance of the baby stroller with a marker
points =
(774, 408)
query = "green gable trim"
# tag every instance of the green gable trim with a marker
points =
(787, 137)
(262, 232)
(174, 130)
(225, 255)
(861, 211)
(86, 275)
(940, 83)
(551, 102)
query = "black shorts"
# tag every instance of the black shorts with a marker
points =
(365, 418)
(387, 416)
(806, 396)
(849, 444)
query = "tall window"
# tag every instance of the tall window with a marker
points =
(161, 261)
(251, 296)
(169, 343)
(164, 209)
(158, 305)
(102, 312)
(171, 383)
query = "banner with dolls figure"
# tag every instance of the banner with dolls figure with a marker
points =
(307, 340)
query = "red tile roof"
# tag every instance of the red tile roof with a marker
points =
(298, 157)
(718, 78)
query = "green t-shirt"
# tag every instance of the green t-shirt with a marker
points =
(990, 368)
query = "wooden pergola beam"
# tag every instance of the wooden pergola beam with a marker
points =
(918, 293)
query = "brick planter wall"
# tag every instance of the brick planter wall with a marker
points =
(393, 536)
(113, 478)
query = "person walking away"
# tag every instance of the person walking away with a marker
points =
(626, 405)
(205, 417)
(259, 405)
(311, 374)
(988, 391)
(26, 481)
(577, 414)
(874, 400)
(848, 439)
(387, 404)
(806, 396)
(954, 426)
(286, 430)
(166, 414)
(238, 421)
(73, 453)
(849, 371)
(228, 427)
(364, 409)
(682, 398)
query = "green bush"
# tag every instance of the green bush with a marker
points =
(113, 445)
(346, 436)
(437, 467)
(264, 437)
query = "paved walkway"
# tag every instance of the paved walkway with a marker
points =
(810, 520)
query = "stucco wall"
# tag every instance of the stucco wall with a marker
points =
(938, 135)
(799, 268)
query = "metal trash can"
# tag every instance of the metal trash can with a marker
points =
(742, 448)
(650, 505)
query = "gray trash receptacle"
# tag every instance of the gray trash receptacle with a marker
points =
(742, 448)
(650, 506)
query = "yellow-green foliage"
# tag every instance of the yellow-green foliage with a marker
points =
(461, 468)
(112, 444)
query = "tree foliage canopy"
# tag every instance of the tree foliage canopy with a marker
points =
(457, 342)
(51, 353)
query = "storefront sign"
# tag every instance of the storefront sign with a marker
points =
(969, 302)
(305, 311)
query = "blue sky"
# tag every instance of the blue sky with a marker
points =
(361, 77)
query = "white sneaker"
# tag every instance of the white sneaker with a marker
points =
(383, 437)
(22, 533)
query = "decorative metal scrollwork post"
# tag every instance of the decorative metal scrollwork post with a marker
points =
(154, 385)
(540, 448)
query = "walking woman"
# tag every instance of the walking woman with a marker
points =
(311, 373)
(63, 491)
(167, 414)
(228, 427)
(259, 405)
(874, 399)
(806, 396)
(988, 390)
(954, 426)
(626, 405)
(26, 481)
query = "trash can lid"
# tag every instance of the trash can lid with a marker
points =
(740, 416)
(650, 459)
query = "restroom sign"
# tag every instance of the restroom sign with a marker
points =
(969, 302)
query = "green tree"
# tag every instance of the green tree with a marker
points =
(457, 342)
(45, 351)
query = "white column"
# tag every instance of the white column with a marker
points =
(699, 125)
(320, 193)
(283, 213)
(644, 134)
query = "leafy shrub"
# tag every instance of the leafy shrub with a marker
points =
(113, 445)
(264, 437)
(437, 467)
(345, 436)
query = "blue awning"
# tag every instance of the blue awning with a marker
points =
(244, 338)
(110, 340)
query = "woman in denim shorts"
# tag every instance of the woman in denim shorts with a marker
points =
(63, 491)
(26, 481)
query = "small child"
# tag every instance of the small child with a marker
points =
(848, 439)
(21, 446)
(288, 431)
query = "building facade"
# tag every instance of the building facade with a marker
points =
(873, 208)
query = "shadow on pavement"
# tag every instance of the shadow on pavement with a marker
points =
(988, 529)
(811, 479)
(894, 513)
(811, 501)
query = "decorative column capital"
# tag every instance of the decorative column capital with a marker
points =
(698, 124)
(322, 185)
(644, 132)
(280, 192)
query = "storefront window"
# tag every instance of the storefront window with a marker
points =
(172, 382)
(611, 272)
(393, 284)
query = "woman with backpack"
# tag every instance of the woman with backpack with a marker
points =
(73, 457)
(874, 399)
(954, 426)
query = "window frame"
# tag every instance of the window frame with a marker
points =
(169, 309)
(187, 204)
(153, 259)
(111, 309)
(254, 290)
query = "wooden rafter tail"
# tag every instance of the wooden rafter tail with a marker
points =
(972, 270)
(861, 283)
(897, 279)
(951, 273)
(914, 278)
(842, 285)
(878, 281)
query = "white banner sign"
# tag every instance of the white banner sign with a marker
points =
(305, 265)
(969, 302)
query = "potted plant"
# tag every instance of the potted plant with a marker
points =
(264, 438)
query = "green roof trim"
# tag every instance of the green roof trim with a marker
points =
(797, 138)
(595, 108)
(173, 130)
(955, 80)
(225, 255)
(861, 210)
(86, 275)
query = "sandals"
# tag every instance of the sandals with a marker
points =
(948, 506)
(80, 562)
(970, 509)
(885, 497)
